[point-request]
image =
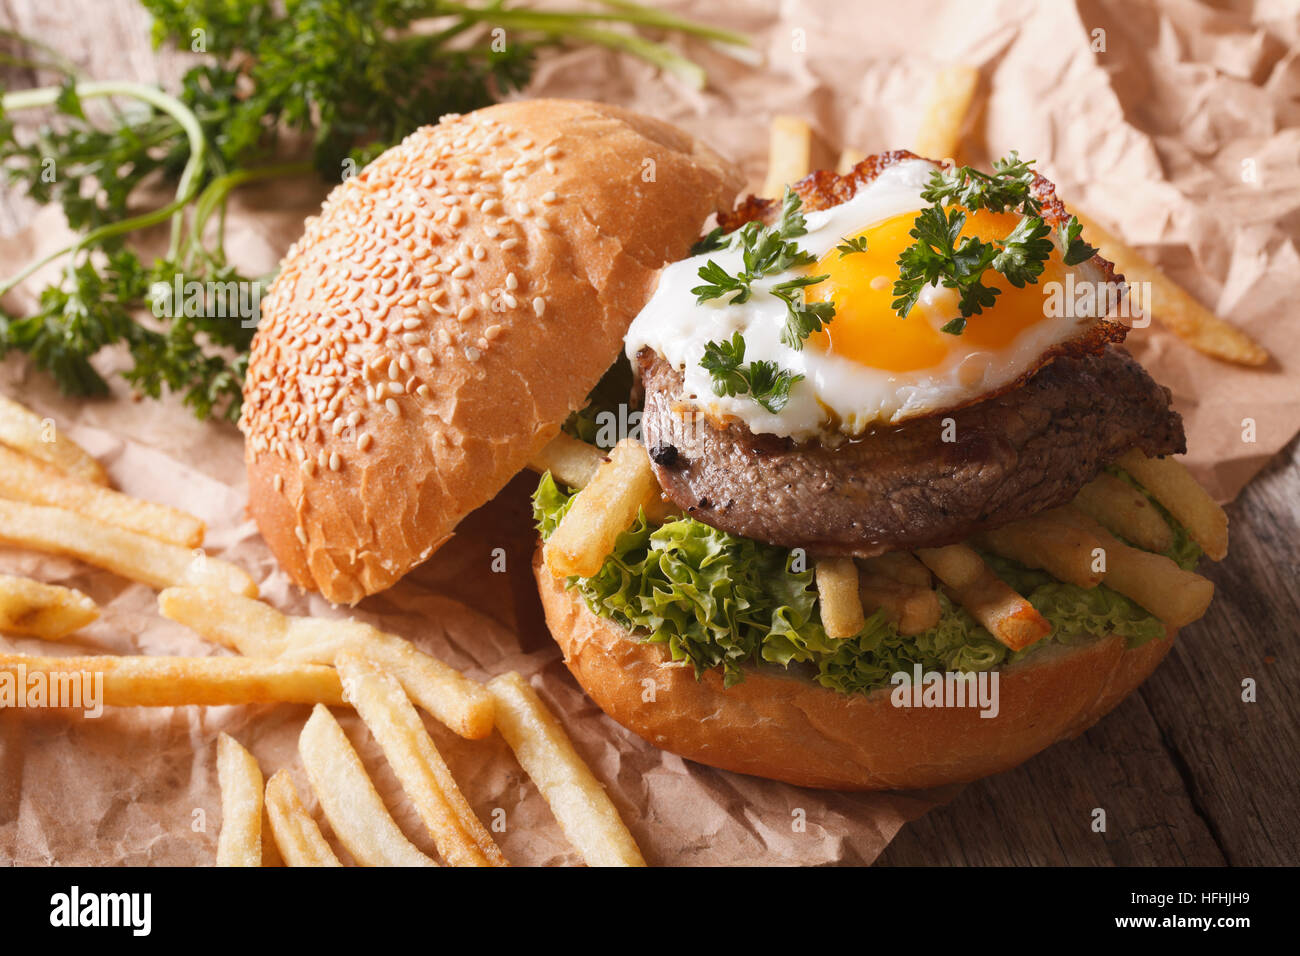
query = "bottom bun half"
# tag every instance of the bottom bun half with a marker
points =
(786, 728)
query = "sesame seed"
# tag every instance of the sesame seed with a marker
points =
(365, 441)
(410, 338)
(492, 331)
(392, 406)
(277, 483)
(466, 313)
(510, 243)
(425, 356)
(551, 197)
(472, 353)
(461, 271)
(512, 281)
(423, 391)
(335, 462)
(539, 306)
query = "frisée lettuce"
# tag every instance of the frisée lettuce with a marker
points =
(721, 601)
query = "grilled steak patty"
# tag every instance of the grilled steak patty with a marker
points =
(905, 486)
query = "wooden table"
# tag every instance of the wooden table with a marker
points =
(1186, 771)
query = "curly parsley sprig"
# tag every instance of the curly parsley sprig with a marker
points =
(765, 251)
(941, 255)
(764, 382)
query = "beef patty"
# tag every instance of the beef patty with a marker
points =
(923, 483)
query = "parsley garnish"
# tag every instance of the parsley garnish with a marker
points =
(1076, 250)
(768, 250)
(850, 246)
(942, 256)
(341, 80)
(764, 382)
(802, 319)
(765, 250)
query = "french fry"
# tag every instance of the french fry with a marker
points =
(789, 154)
(132, 555)
(1155, 582)
(1121, 509)
(42, 610)
(459, 835)
(586, 814)
(1008, 616)
(900, 566)
(349, 800)
(849, 157)
(570, 461)
(1174, 487)
(945, 112)
(24, 430)
(296, 834)
(140, 681)
(259, 630)
(240, 779)
(601, 512)
(913, 609)
(1045, 541)
(26, 479)
(837, 596)
(574, 463)
(1171, 304)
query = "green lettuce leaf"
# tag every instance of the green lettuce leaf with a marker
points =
(720, 601)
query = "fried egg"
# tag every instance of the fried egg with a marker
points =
(868, 366)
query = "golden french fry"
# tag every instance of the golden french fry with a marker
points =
(579, 801)
(913, 609)
(789, 154)
(1155, 582)
(900, 566)
(849, 157)
(259, 630)
(42, 610)
(459, 835)
(349, 800)
(1007, 616)
(956, 565)
(240, 778)
(1121, 509)
(26, 479)
(570, 461)
(132, 555)
(574, 463)
(837, 596)
(1044, 541)
(945, 112)
(296, 834)
(1173, 305)
(1174, 487)
(270, 851)
(140, 681)
(24, 430)
(601, 512)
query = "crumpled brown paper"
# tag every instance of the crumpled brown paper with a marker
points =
(1183, 134)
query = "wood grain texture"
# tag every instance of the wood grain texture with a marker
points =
(1186, 772)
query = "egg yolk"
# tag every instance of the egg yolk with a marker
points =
(868, 331)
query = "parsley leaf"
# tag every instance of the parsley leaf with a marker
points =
(765, 382)
(1075, 250)
(942, 256)
(850, 246)
(802, 319)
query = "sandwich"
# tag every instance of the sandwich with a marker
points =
(857, 490)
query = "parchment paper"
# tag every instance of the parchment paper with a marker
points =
(1183, 134)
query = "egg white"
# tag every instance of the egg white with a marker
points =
(834, 388)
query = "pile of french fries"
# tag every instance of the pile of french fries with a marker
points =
(55, 498)
(1076, 543)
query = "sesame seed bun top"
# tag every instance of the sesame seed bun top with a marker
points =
(444, 313)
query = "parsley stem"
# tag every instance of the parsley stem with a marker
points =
(215, 193)
(185, 190)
